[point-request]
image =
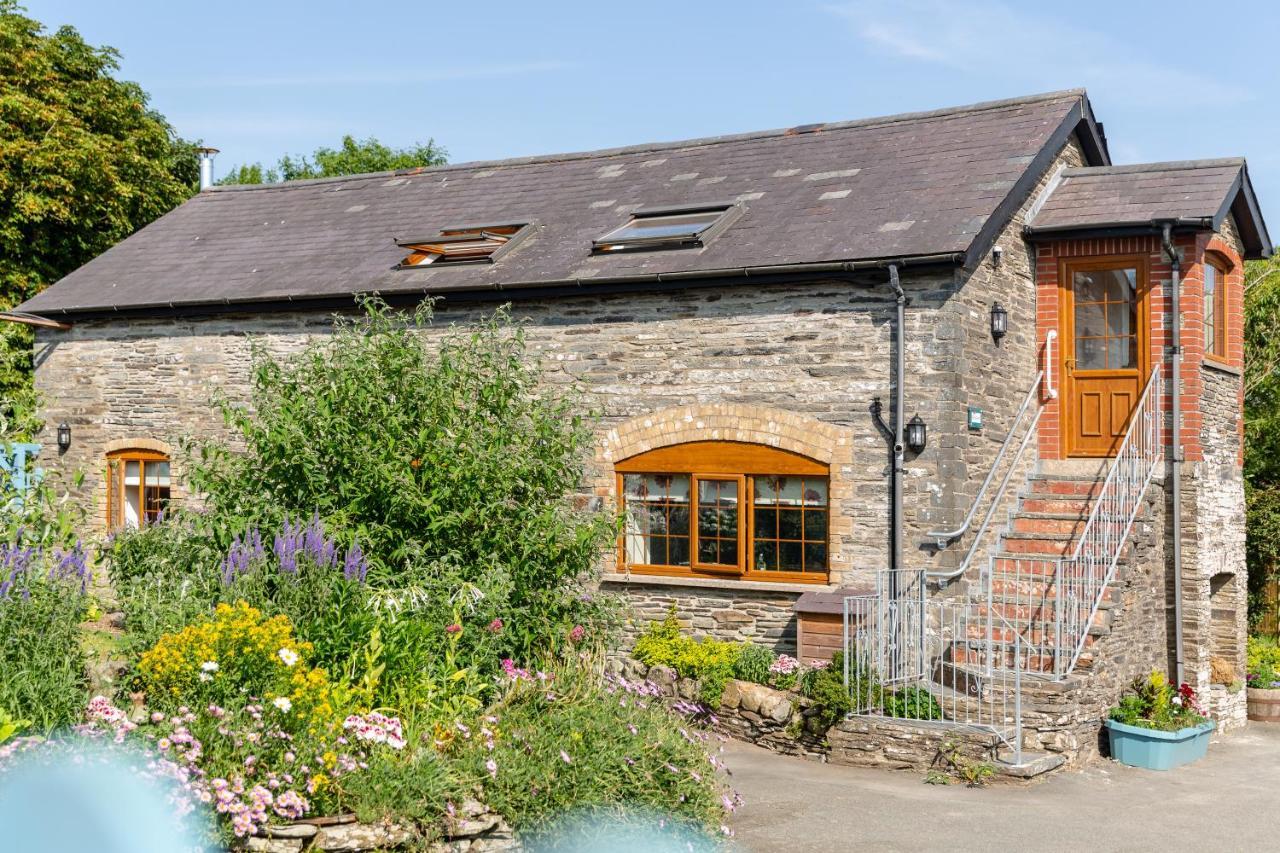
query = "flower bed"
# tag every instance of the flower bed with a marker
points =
(379, 631)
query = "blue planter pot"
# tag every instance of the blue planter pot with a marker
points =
(1151, 749)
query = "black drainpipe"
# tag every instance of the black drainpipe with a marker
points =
(1175, 391)
(898, 466)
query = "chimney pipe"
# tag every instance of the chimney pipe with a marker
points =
(206, 166)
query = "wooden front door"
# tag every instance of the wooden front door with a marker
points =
(1106, 330)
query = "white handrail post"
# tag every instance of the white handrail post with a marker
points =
(1049, 389)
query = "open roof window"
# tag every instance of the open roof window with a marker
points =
(463, 244)
(683, 227)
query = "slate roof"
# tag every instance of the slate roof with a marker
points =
(1192, 192)
(940, 184)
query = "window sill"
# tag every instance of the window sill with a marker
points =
(623, 579)
(1222, 366)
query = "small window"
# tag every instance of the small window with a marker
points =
(1215, 310)
(684, 227)
(724, 509)
(137, 488)
(463, 244)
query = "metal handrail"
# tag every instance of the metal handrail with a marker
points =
(945, 537)
(1050, 390)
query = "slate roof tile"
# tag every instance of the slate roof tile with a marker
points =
(947, 172)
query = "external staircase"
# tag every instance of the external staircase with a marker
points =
(1032, 610)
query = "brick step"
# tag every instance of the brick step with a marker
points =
(1004, 654)
(1053, 544)
(1014, 590)
(1056, 504)
(1073, 486)
(1041, 618)
(1049, 522)
(1042, 562)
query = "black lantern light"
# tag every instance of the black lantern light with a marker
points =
(64, 436)
(999, 321)
(917, 434)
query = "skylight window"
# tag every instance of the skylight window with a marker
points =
(689, 226)
(463, 244)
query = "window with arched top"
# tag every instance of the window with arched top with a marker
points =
(137, 487)
(724, 509)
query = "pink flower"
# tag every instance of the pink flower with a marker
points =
(564, 756)
(577, 633)
(784, 665)
(492, 767)
(495, 626)
(455, 628)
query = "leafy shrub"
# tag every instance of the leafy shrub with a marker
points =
(1153, 703)
(423, 452)
(235, 657)
(574, 743)
(826, 688)
(42, 663)
(753, 664)
(912, 703)
(1263, 662)
(710, 661)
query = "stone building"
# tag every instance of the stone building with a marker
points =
(893, 359)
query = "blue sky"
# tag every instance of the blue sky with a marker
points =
(1170, 80)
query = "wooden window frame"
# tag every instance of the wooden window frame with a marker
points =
(1216, 349)
(116, 462)
(723, 460)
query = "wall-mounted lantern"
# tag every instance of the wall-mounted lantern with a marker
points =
(999, 321)
(917, 434)
(64, 436)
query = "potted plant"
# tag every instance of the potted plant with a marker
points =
(1263, 679)
(1157, 726)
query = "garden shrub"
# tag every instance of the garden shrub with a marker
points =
(710, 661)
(826, 688)
(912, 703)
(1263, 662)
(422, 452)
(237, 656)
(42, 662)
(573, 743)
(753, 664)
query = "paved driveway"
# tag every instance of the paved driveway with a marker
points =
(1228, 801)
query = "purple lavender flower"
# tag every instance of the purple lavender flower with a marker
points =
(355, 566)
(243, 556)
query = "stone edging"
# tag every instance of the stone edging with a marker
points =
(474, 829)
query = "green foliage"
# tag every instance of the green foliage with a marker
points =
(975, 774)
(711, 662)
(1262, 426)
(912, 703)
(84, 162)
(753, 664)
(829, 694)
(352, 157)
(1153, 703)
(1263, 662)
(42, 662)
(452, 459)
(10, 726)
(597, 747)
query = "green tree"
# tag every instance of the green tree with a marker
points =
(352, 157)
(1262, 424)
(84, 162)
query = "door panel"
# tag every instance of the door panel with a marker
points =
(1104, 319)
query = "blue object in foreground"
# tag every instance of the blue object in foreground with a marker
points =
(1152, 749)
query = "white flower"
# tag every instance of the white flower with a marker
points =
(204, 676)
(289, 656)
(283, 703)
(209, 666)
